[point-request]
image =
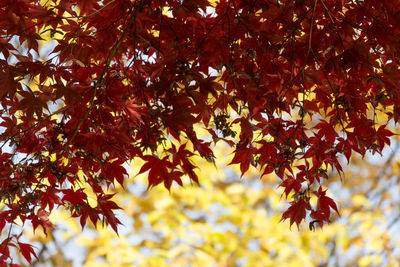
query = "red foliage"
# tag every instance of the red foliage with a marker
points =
(124, 76)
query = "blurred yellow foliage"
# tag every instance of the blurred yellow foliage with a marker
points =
(232, 221)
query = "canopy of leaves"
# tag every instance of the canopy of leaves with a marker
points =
(290, 85)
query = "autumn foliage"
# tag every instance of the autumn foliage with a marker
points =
(86, 86)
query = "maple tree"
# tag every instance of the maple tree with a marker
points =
(301, 80)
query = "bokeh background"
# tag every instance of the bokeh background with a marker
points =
(235, 221)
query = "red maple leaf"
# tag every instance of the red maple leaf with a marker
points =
(324, 205)
(296, 212)
(134, 113)
(290, 184)
(244, 157)
(27, 251)
(106, 206)
(158, 169)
